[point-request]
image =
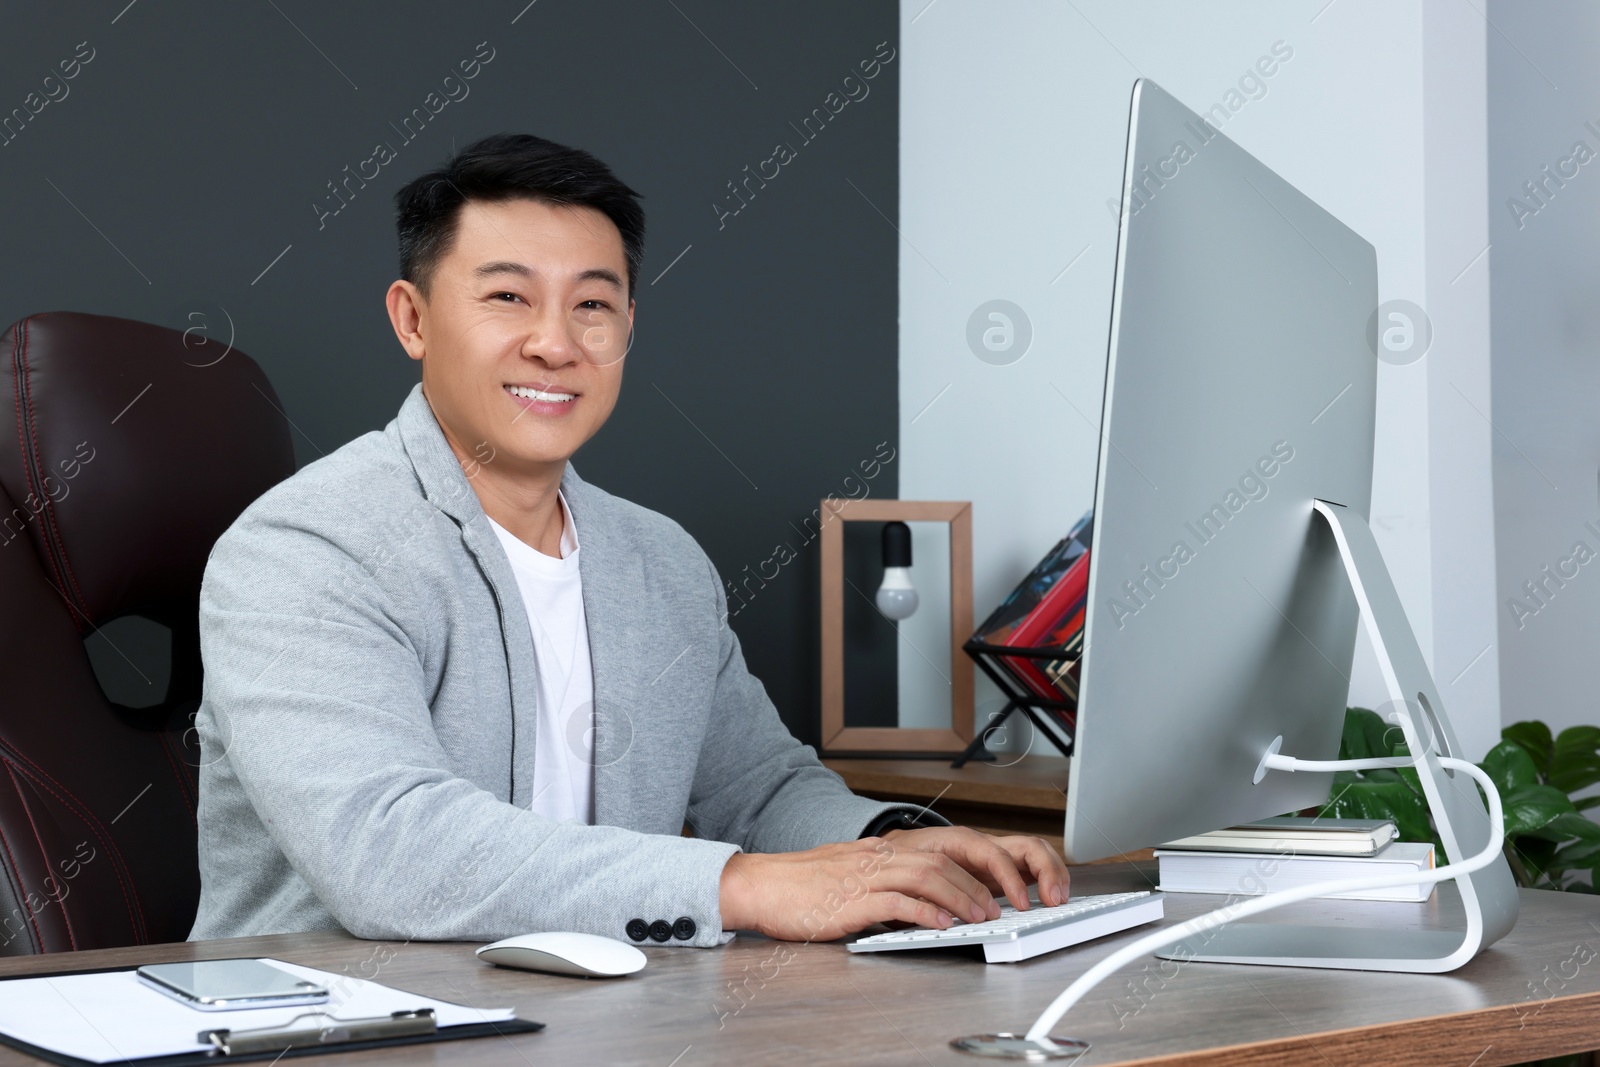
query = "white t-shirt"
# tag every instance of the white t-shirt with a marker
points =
(552, 595)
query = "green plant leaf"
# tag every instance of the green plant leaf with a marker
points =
(1575, 758)
(1534, 854)
(1575, 774)
(1363, 735)
(1356, 798)
(1530, 808)
(1409, 776)
(1578, 854)
(1510, 766)
(1564, 827)
(1535, 737)
(1549, 842)
(1572, 824)
(1578, 776)
(1576, 739)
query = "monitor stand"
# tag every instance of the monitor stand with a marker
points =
(1489, 896)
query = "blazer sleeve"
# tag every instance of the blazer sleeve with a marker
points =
(316, 702)
(756, 785)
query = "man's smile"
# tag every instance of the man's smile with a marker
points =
(542, 398)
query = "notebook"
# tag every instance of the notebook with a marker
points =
(1302, 836)
(1250, 874)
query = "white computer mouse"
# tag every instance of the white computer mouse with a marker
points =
(584, 955)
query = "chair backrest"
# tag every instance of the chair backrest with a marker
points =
(126, 449)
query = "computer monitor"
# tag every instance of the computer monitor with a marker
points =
(1223, 598)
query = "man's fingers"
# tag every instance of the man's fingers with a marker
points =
(898, 907)
(938, 879)
(942, 880)
(1043, 864)
(994, 866)
(1004, 865)
(979, 853)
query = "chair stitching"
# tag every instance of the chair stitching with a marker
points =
(21, 891)
(14, 879)
(130, 896)
(180, 770)
(19, 349)
(183, 793)
(72, 941)
(47, 508)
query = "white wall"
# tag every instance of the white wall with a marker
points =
(1466, 653)
(1547, 381)
(1013, 123)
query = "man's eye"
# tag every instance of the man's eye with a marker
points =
(497, 296)
(598, 305)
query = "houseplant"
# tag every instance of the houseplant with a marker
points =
(1550, 843)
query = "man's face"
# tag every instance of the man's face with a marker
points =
(522, 334)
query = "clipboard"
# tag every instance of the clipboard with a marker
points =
(312, 1031)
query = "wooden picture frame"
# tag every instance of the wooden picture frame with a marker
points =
(839, 739)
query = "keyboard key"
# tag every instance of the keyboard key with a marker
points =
(1017, 935)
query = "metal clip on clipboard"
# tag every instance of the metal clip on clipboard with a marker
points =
(334, 1031)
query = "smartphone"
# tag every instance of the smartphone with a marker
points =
(228, 985)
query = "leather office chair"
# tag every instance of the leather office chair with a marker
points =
(126, 449)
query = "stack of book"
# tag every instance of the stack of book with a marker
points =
(1287, 853)
(1032, 644)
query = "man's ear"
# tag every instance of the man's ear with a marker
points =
(407, 310)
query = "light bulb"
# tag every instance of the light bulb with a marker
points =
(896, 597)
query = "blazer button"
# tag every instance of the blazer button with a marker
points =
(638, 929)
(684, 928)
(660, 930)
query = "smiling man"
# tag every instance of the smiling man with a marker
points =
(453, 691)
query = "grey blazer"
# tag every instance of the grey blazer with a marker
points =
(368, 721)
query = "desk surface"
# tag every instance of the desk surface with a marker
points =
(1025, 783)
(1536, 993)
(1012, 795)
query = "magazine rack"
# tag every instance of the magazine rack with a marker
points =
(1018, 698)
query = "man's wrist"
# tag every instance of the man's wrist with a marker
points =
(903, 819)
(732, 888)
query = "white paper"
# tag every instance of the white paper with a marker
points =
(1254, 873)
(114, 1016)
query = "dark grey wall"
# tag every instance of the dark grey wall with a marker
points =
(185, 171)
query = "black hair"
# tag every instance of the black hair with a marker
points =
(509, 166)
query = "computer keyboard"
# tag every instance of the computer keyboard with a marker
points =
(1020, 935)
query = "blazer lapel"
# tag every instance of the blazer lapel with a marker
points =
(612, 579)
(445, 485)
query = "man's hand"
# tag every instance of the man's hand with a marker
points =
(1007, 865)
(923, 877)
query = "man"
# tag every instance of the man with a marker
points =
(453, 691)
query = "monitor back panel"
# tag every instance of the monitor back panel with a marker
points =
(1239, 387)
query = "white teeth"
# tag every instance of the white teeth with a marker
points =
(536, 394)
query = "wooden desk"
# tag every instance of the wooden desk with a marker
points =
(1013, 795)
(817, 1003)
(1024, 794)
